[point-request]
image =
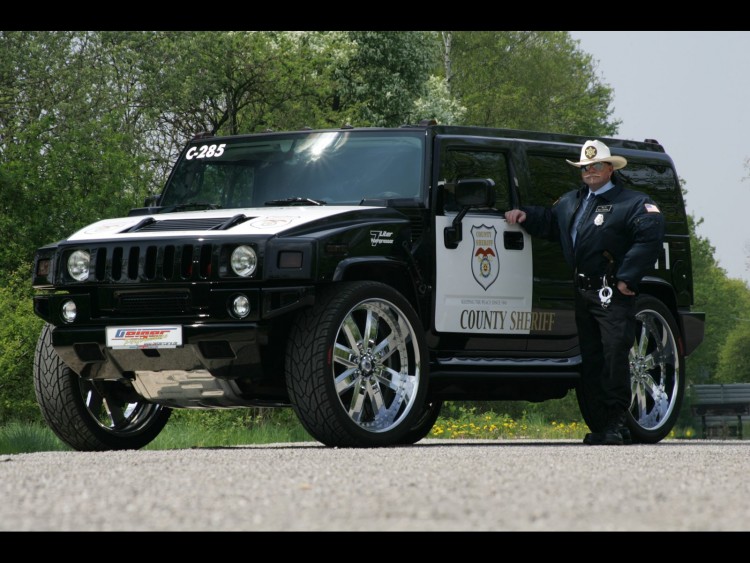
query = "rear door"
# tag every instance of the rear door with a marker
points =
(544, 177)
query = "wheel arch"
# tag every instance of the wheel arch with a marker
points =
(388, 271)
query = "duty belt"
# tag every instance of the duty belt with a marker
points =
(582, 281)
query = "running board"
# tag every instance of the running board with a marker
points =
(521, 363)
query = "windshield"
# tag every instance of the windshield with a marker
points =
(307, 168)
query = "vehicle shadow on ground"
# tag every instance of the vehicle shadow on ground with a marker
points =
(519, 443)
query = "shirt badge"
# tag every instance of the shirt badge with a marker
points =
(599, 220)
(651, 208)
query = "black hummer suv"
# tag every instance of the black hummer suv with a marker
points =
(361, 276)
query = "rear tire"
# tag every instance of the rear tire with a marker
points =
(91, 415)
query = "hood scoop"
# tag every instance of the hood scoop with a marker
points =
(150, 224)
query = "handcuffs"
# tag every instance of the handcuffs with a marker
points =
(605, 293)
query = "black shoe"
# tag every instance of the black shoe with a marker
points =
(592, 438)
(627, 439)
(597, 438)
(609, 437)
(615, 433)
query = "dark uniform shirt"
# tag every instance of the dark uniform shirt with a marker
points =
(621, 235)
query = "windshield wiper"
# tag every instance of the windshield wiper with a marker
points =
(295, 201)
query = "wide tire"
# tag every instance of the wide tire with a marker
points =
(657, 376)
(91, 415)
(356, 366)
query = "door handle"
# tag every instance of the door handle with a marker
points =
(513, 240)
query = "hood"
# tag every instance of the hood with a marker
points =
(250, 221)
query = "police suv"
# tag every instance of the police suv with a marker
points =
(361, 276)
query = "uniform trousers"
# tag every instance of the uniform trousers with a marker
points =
(606, 336)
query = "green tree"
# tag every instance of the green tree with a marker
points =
(538, 80)
(733, 365)
(67, 154)
(438, 104)
(725, 301)
(383, 75)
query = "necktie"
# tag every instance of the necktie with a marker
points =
(583, 211)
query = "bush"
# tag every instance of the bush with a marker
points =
(18, 335)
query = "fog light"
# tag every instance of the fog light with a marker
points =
(69, 311)
(240, 306)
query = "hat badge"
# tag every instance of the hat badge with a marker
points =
(590, 152)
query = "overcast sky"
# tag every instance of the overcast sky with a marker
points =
(690, 90)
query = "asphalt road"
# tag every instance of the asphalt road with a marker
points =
(435, 485)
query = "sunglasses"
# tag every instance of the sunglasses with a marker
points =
(599, 166)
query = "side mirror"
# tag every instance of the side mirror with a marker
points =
(475, 192)
(470, 192)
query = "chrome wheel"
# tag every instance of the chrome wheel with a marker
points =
(653, 363)
(656, 370)
(112, 412)
(356, 366)
(376, 365)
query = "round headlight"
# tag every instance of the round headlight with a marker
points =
(69, 311)
(78, 265)
(244, 260)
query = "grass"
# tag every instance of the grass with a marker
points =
(217, 428)
(467, 423)
(201, 429)
(24, 437)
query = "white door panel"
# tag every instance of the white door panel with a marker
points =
(483, 287)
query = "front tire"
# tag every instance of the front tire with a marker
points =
(91, 415)
(657, 376)
(430, 414)
(356, 366)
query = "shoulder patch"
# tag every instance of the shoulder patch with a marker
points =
(651, 208)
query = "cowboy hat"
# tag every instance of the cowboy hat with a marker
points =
(596, 151)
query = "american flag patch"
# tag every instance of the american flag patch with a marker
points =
(651, 208)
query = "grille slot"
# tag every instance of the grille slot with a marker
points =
(154, 303)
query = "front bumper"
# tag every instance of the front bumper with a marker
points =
(212, 340)
(224, 350)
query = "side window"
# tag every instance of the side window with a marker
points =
(551, 177)
(660, 182)
(458, 164)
